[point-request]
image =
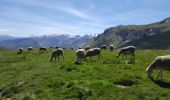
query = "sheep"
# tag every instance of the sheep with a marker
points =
(103, 47)
(129, 50)
(20, 50)
(87, 48)
(111, 47)
(56, 54)
(160, 63)
(80, 54)
(93, 52)
(42, 49)
(29, 49)
(72, 48)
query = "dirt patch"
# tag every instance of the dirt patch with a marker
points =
(122, 86)
(125, 83)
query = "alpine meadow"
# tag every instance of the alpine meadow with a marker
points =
(84, 49)
(31, 76)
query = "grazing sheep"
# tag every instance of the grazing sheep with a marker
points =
(80, 54)
(87, 48)
(111, 47)
(160, 63)
(56, 54)
(56, 47)
(29, 49)
(129, 50)
(42, 49)
(20, 50)
(103, 47)
(93, 52)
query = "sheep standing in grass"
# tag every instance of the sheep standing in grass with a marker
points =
(20, 50)
(87, 48)
(56, 54)
(29, 49)
(42, 49)
(103, 47)
(129, 50)
(80, 54)
(160, 63)
(111, 47)
(93, 52)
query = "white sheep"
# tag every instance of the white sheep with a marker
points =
(80, 54)
(111, 47)
(20, 50)
(103, 47)
(56, 54)
(87, 48)
(129, 50)
(93, 52)
(160, 63)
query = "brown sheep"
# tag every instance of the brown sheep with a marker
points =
(42, 49)
(29, 49)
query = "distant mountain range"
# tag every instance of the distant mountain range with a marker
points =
(150, 36)
(65, 41)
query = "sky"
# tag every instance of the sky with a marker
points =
(76, 17)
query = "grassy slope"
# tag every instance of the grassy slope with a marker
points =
(34, 77)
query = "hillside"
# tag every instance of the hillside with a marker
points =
(31, 76)
(160, 41)
(122, 34)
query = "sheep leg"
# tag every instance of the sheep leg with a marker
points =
(55, 59)
(63, 57)
(133, 55)
(90, 58)
(51, 59)
(99, 57)
(159, 74)
(58, 58)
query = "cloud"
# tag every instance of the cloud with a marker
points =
(73, 11)
(138, 15)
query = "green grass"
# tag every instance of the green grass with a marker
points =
(31, 76)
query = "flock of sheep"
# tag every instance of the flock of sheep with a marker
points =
(160, 63)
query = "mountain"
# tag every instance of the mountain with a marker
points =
(125, 34)
(7, 37)
(17, 43)
(64, 40)
(160, 41)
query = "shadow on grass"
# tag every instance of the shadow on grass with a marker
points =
(160, 83)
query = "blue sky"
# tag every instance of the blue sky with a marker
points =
(76, 17)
